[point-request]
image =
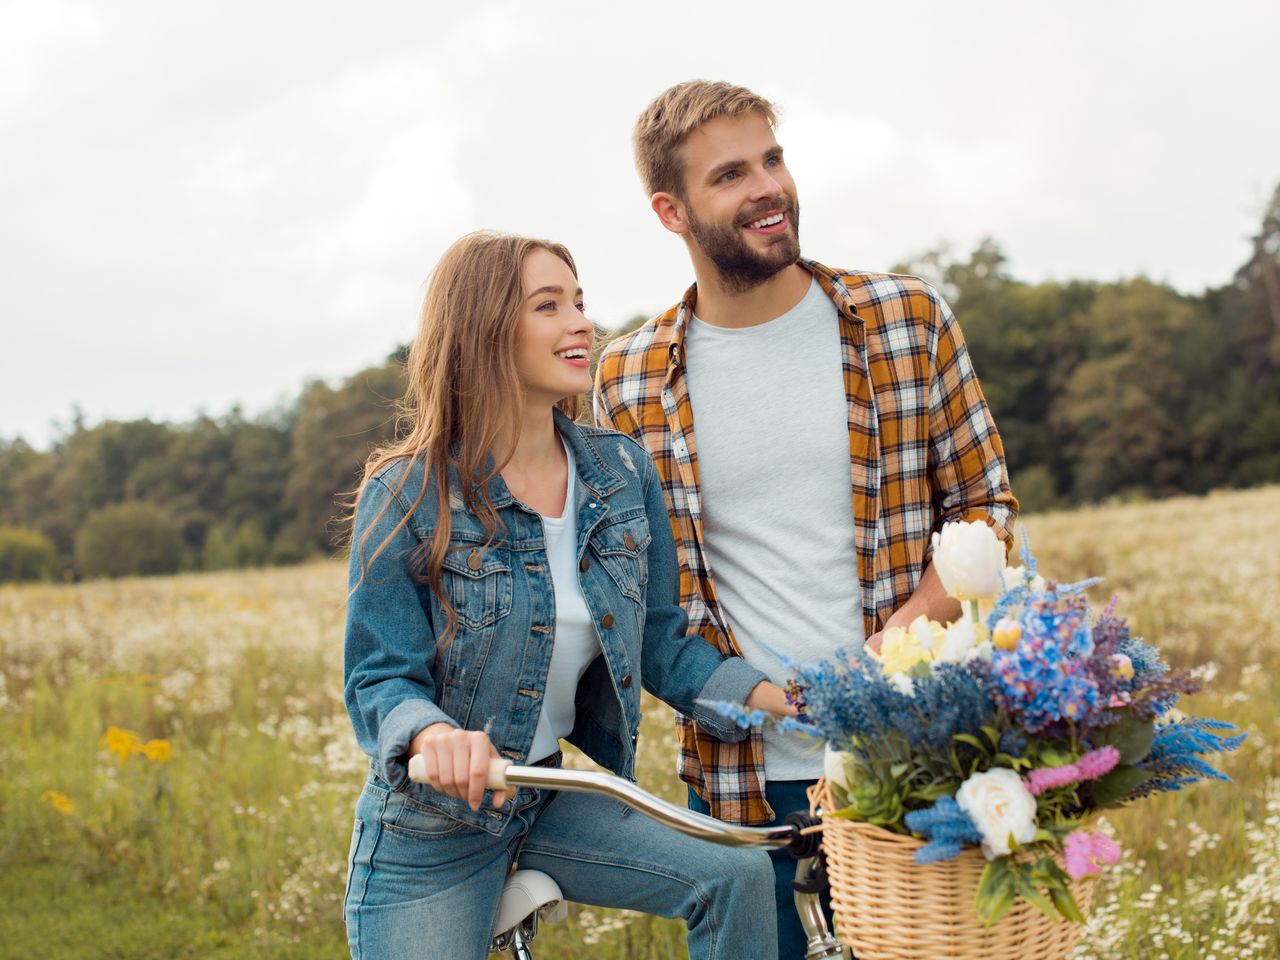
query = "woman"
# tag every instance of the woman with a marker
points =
(513, 582)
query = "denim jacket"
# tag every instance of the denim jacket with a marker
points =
(493, 673)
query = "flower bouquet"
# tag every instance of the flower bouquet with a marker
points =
(967, 764)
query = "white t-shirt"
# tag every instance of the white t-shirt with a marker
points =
(574, 635)
(770, 419)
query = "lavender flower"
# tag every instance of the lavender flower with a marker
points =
(947, 828)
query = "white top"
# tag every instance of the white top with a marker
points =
(574, 637)
(770, 418)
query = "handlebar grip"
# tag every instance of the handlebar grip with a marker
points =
(496, 779)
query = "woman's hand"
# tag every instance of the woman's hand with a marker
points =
(456, 762)
(771, 697)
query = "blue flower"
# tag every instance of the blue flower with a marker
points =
(947, 828)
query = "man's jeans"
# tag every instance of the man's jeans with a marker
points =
(785, 796)
(423, 885)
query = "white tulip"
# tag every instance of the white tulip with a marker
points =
(1001, 807)
(970, 560)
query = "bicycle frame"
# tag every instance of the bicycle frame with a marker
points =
(503, 774)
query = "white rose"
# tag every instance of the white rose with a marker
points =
(969, 559)
(834, 768)
(958, 643)
(1001, 807)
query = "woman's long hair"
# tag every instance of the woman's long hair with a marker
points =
(464, 399)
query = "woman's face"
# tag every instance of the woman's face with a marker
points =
(553, 341)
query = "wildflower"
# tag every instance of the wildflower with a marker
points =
(1001, 808)
(123, 743)
(1006, 634)
(1121, 666)
(947, 828)
(158, 750)
(1084, 852)
(1091, 766)
(60, 802)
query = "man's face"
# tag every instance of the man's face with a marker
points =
(740, 200)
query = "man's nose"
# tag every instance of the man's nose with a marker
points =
(764, 186)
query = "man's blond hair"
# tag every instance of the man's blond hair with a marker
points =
(664, 125)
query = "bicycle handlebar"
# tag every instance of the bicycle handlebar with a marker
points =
(503, 774)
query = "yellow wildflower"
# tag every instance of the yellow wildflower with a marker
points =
(59, 802)
(158, 750)
(900, 650)
(124, 743)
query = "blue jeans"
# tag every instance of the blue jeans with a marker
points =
(785, 796)
(423, 885)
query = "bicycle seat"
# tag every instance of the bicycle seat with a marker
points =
(525, 893)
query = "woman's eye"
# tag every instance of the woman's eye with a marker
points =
(547, 305)
(582, 307)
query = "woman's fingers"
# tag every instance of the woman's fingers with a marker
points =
(456, 762)
(478, 767)
(499, 796)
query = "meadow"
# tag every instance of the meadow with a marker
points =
(177, 771)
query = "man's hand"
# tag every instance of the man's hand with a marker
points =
(771, 698)
(930, 598)
(456, 762)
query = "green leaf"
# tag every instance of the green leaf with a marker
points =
(1066, 903)
(1037, 899)
(970, 739)
(1117, 785)
(1130, 735)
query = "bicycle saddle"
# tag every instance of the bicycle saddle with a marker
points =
(525, 893)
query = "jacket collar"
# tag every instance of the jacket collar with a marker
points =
(592, 470)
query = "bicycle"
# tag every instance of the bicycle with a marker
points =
(530, 895)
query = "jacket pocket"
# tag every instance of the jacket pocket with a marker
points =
(477, 581)
(623, 549)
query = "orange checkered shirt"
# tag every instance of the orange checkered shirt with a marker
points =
(922, 450)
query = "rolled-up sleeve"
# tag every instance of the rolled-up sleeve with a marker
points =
(390, 643)
(967, 471)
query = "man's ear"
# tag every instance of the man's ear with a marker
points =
(670, 212)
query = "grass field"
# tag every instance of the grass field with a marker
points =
(214, 819)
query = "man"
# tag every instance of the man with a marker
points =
(812, 427)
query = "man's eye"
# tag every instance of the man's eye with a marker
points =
(773, 162)
(582, 307)
(727, 177)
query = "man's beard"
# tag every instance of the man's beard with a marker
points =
(741, 268)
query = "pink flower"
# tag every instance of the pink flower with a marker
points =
(1046, 778)
(1098, 763)
(1084, 852)
(1089, 767)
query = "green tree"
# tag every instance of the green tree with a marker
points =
(129, 539)
(26, 555)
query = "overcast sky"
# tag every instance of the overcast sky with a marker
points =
(208, 204)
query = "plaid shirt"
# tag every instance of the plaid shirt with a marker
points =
(922, 450)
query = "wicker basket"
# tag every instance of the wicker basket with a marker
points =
(888, 907)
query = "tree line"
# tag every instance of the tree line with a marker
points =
(1100, 390)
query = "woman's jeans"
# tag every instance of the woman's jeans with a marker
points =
(423, 885)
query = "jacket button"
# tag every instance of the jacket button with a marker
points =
(475, 561)
(584, 564)
(606, 621)
(628, 541)
(626, 681)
